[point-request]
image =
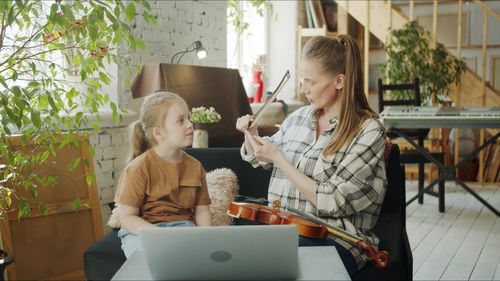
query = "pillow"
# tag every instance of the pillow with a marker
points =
(222, 187)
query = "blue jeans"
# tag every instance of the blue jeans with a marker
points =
(346, 256)
(131, 242)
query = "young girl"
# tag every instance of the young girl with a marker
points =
(327, 157)
(162, 186)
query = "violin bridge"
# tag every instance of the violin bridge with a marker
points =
(276, 205)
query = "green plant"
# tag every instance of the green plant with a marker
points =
(410, 55)
(203, 115)
(53, 57)
(236, 12)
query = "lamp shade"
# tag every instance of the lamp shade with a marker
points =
(201, 52)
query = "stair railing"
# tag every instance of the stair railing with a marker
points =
(350, 6)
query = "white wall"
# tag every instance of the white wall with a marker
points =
(180, 23)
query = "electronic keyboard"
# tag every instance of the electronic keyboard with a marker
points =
(441, 117)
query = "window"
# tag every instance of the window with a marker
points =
(250, 49)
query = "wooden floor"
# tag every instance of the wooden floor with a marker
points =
(463, 243)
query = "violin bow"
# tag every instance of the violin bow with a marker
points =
(380, 259)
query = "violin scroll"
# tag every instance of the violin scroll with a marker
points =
(380, 259)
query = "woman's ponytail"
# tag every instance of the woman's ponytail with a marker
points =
(341, 55)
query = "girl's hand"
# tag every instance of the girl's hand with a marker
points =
(264, 150)
(202, 215)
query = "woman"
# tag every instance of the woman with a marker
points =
(327, 157)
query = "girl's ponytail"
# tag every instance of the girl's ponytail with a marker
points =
(153, 112)
(138, 141)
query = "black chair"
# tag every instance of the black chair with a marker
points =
(412, 156)
(391, 227)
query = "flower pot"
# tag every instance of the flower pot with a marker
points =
(200, 137)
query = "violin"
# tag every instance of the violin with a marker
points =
(306, 227)
(267, 215)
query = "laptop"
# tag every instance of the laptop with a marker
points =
(246, 252)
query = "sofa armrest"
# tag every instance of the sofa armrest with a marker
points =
(103, 259)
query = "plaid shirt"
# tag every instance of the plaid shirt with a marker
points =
(350, 184)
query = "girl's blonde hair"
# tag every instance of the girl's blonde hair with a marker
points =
(153, 113)
(340, 55)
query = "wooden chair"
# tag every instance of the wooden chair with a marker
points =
(412, 156)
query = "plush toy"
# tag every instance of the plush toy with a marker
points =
(222, 187)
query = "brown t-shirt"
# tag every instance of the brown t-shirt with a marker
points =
(163, 191)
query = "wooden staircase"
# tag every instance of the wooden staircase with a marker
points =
(381, 16)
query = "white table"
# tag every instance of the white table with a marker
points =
(315, 263)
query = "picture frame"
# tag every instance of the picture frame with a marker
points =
(330, 14)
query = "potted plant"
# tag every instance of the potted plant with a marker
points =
(53, 57)
(410, 54)
(201, 116)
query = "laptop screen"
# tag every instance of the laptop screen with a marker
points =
(221, 252)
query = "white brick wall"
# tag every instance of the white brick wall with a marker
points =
(180, 23)
(111, 147)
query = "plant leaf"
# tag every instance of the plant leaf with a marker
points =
(130, 12)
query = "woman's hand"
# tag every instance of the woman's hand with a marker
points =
(242, 125)
(264, 150)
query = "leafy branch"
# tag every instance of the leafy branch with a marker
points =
(52, 74)
(236, 13)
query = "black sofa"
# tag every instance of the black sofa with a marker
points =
(104, 258)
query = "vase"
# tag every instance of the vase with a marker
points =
(200, 136)
(257, 81)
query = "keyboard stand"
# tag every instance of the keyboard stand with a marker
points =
(448, 172)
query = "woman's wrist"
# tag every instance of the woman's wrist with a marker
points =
(281, 161)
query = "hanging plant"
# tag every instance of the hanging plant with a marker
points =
(236, 13)
(52, 69)
(410, 54)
